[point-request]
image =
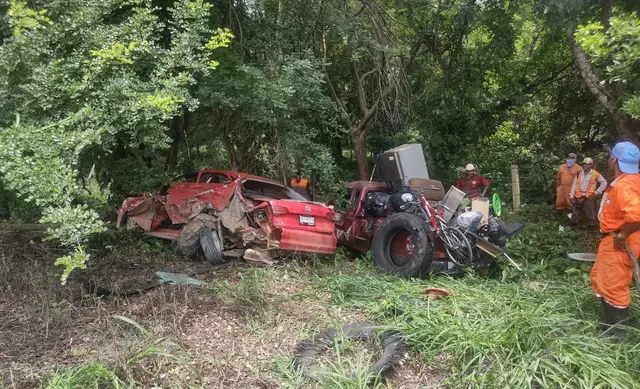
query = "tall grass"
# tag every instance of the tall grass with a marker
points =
(492, 334)
(344, 366)
(248, 295)
(144, 367)
(92, 375)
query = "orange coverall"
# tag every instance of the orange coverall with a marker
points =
(612, 273)
(566, 175)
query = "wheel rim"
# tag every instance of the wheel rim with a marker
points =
(457, 246)
(401, 248)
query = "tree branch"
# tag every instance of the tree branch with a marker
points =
(362, 125)
(360, 93)
(344, 114)
(590, 75)
(370, 72)
(531, 88)
(332, 90)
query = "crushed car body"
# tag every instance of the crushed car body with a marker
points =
(225, 213)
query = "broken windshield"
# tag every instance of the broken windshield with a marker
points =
(262, 189)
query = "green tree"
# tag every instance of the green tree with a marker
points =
(616, 50)
(92, 77)
(610, 93)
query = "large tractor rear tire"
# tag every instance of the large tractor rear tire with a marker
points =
(403, 246)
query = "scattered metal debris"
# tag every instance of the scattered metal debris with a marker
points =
(178, 279)
(436, 293)
(584, 257)
(259, 257)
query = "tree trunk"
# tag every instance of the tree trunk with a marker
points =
(626, 128)
(186, 122)
(172, 157)
(231, 153)
(336, 150)
(176, 131)
(359, 139)
(606, 8)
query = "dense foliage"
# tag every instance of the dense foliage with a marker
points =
(102, 99)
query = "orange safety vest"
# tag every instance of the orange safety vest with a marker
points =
(591, 188)
(303, 183)
(620, 204)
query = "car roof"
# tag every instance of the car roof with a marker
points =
(244, 176)
(367, 184)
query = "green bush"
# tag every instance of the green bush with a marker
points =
(14, 210)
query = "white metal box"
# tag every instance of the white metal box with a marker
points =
(402, 163)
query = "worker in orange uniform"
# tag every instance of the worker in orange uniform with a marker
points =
(300, 185)
(619, 216)
(566, 175)
(588, 185)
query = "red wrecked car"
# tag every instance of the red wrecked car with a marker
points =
(230, 214)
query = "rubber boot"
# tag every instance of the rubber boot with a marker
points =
(614, 319)
(602, 324)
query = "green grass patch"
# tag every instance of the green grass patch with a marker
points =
(525, 334)
(90, 375)
(248, 295)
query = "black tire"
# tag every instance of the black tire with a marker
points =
(308, 351)
(420, 262)
(458, 248)
(211, 246)
(124, 220)
(189, 238)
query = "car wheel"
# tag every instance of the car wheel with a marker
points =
(189, 238)
(211, 246)
(403, 246)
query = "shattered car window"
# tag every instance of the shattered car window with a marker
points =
(261, 189)
(189, 177)
(214, 178)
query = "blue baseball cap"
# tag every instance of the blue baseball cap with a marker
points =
(628, 156)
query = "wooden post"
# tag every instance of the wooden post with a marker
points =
(515, 187)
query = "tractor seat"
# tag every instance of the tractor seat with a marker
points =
(432, 190)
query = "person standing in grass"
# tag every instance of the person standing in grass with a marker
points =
(566, 175)
(587, 186)
(619, 217)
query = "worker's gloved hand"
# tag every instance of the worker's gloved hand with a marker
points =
(484, 192)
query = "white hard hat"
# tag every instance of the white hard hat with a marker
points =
(469, 167)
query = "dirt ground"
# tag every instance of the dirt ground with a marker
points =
(235, 332)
